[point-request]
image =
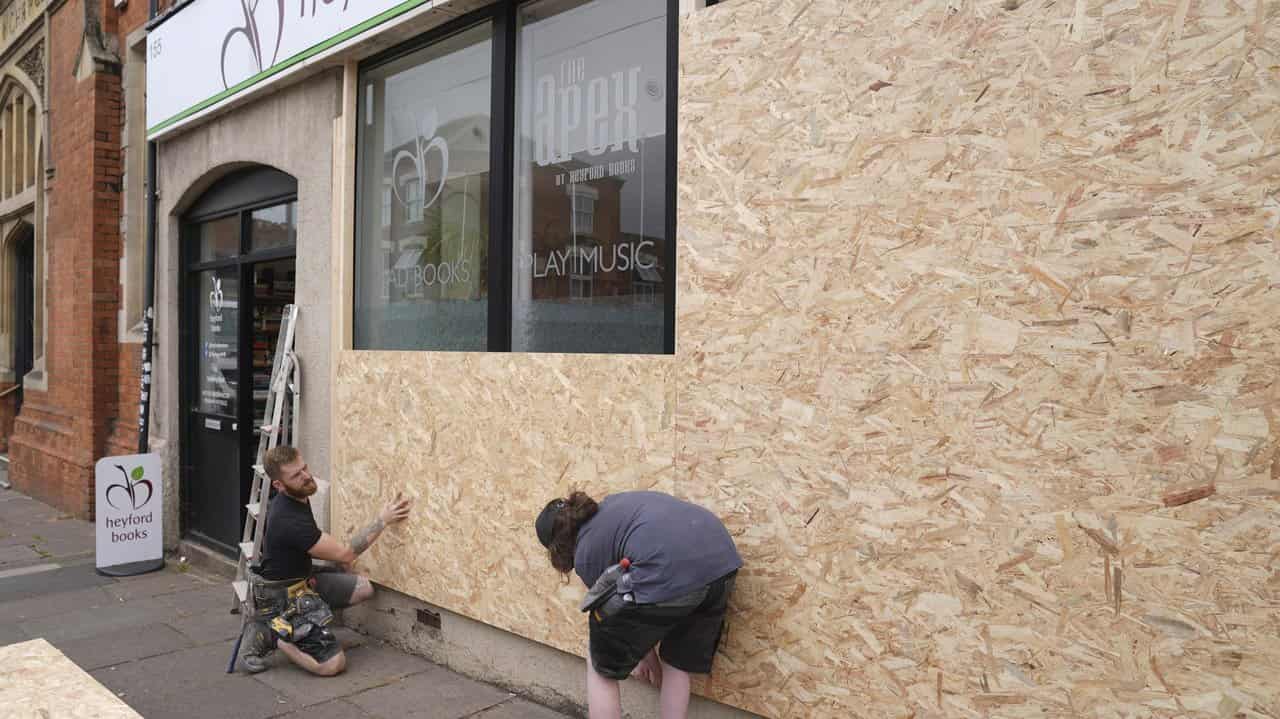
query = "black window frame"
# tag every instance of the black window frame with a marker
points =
(503, 15)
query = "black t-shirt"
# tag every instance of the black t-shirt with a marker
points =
(291, 532)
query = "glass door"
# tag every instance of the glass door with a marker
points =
(214, 429)
(239, 276)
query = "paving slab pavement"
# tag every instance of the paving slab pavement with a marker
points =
(123, 646)
(518, 709)
(51, 581)
(161, 641)
(433, 692)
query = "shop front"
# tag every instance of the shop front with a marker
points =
(921, 327)
(245, 229)
(501, 180)
(441, 182)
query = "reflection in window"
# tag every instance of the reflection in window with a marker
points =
(584, 209)
(590, 177)
(274, 227)
(423, 211)
(409, 190)
(582, 271)
(219, 239)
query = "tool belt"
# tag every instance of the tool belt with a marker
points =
(611, 592)
(290, 607)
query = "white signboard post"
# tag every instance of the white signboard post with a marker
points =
(212, 51)
(130, 511)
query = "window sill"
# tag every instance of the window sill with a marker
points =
(36, 380)
(134, 335)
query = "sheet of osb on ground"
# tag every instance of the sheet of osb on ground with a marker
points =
(977, 342)
(38, 682)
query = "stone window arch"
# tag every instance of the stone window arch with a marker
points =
(22, 225)
(19, 141)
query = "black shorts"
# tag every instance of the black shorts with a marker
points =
(320, 644)
(334, 586)
(687, 635)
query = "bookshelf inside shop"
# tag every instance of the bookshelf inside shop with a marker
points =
(273, 287)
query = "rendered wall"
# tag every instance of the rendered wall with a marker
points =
(967, 290)
(290, 130)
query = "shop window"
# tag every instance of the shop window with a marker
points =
(580, 260)
(591, 160)
(421, 273)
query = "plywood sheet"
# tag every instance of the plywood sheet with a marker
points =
(482, 442)
(968, 290)
(997, 277)
(38, 681)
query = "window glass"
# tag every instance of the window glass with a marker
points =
(219, 239)
(218, 327)
(273, 290)
(422, 237)
(274, 227)
(590, 177)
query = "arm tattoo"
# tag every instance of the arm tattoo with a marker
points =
(365, 537)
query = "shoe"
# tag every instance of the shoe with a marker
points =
(253, 664)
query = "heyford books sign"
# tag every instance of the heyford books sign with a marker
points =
(129, 510)
(212, 51)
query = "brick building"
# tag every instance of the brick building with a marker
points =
(74, 247)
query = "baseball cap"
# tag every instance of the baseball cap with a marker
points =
(546, 521)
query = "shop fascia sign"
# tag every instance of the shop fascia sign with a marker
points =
(214, 51)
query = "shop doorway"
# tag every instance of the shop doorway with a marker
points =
(238, 245)
(24, 315)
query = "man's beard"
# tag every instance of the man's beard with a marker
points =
(305, 491)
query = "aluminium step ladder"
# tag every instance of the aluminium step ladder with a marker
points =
(280, 426)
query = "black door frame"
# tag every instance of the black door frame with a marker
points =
(247, 183)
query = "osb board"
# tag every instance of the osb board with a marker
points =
(966, 289)
(482, 441)
(38, 681)
(988, 276)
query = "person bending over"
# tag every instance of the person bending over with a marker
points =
(294, 601)
(659, 573)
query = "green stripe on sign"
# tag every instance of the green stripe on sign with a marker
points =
(287, 63)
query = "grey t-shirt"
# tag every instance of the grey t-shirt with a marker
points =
(675, 547)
